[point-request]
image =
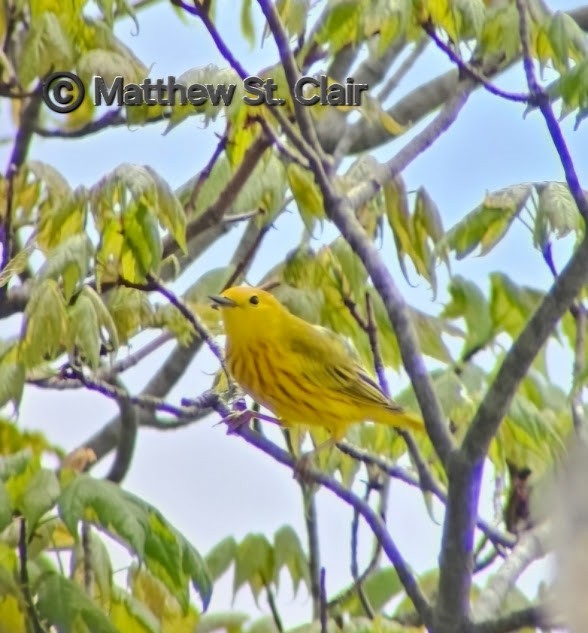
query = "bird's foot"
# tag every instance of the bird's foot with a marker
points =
(302, 467)
(241, 416)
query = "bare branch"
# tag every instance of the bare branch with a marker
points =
(528, 618)
(531, 546)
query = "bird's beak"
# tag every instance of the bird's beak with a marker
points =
(221, 302)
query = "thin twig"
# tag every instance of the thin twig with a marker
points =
(323, 601)
(393, 82)
(113, 118)
(533, 617)
(372, 332)
(78, 379)
(134, 359)
(472, 71)
(578, 368)
(358, 584)
(24, 578)
(271, 601)
(190, 206)
(314, 557)
(154, 285)
(87, 557)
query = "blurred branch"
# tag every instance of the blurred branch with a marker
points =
(135, 358)
(127, 439)
(528, 618)
(314, 557)
(579, 315)
(14, 300)
(113, 118)
(323, 601)
(531, 546)
(393, 82)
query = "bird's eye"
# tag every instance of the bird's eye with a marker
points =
(254, 300)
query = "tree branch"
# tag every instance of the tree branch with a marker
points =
(373, 520)
(531, 546)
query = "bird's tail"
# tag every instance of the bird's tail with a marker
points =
(402, 419)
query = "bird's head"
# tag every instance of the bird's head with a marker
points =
(248, 311)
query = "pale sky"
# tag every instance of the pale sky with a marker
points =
(210, 485)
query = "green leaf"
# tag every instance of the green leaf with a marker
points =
(16, 265)
(84, 331)
(427, 225)
(557, 212)
(106, 505)
(40, 496)
(12, 380)
(488, 223)
(288, 553)
(254, 564)
(293, 14)
(379, 588)
(468, 302)
(61, 602)
(220, 557)
(69, 263)
(140, 527)
(46, 47)
(511, 305)
(46, 323)
(130, 310)
(104, 317)
(229, 621)
(247, 25)
(142, 248)
(169, 210)
(5, 507)
(15, 464)
(500, 33)
(306, 193)
(399, 220)
(341, 26)
(128, 613)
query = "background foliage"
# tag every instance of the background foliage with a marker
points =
(86, 272)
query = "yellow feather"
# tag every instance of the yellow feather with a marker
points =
(300, 372)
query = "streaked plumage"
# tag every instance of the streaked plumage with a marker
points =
(300, 373)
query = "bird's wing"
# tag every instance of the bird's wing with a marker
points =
(326, 363)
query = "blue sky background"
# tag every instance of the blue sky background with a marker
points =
(210, 485)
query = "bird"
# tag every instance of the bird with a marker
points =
(302, 373)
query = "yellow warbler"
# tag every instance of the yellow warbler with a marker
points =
(301, 373)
